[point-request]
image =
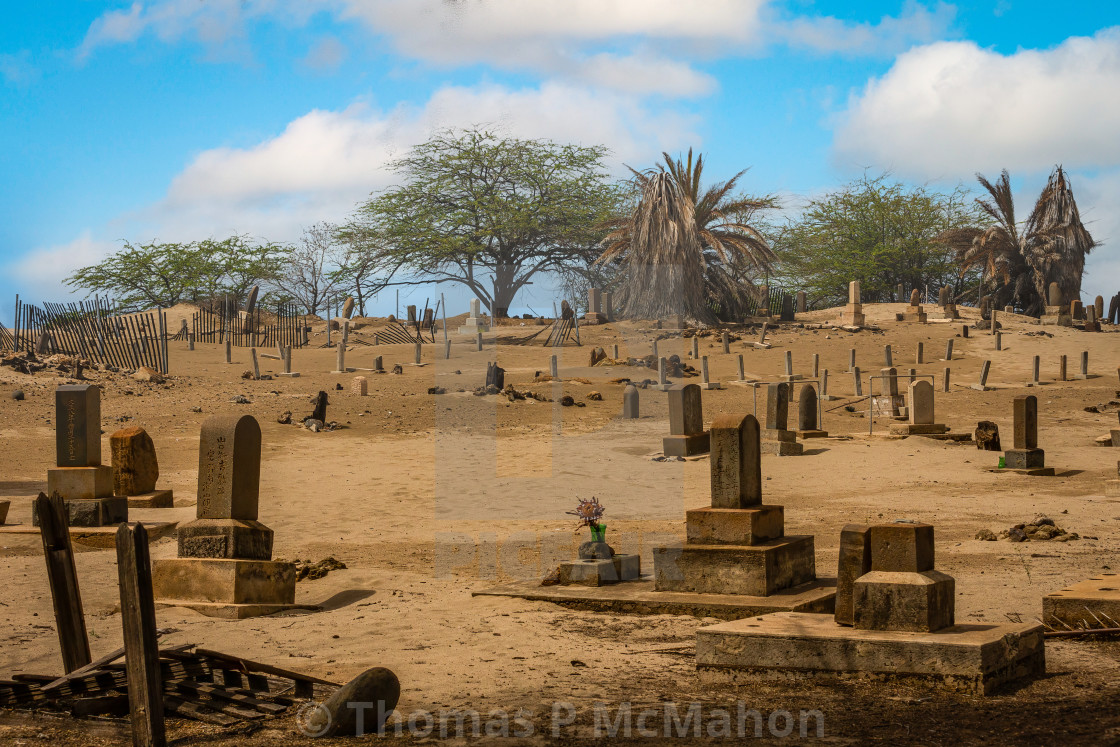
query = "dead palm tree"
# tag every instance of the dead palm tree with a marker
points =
(1018, 266)
(687, 251)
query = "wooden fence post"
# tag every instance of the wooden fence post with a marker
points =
(63, 580)
(141, 650)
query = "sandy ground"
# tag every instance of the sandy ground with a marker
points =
(427, 498)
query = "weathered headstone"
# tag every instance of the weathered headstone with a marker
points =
(136, 469)
(857, 382)
(1026, 455)
(224, 567)
(949, 349)
(888, 357)
(987, 436)
(855, 561)
(359, 386)
(608, 306)
(495, 377)
(778, 440)
(726, 338)
(807, 413)
(982, 385)
(853, 312)
(735, 466)
(85, 485)
(630, 402)
(705, 381)
(348, 307)
(687, 436)
(920, 353)
(1036, 370)
(695, 348)
(919, 403)
(801, 302)
(1062, 368)
(852, 359)
(903, 592)
(418, 353)
(1083, 373)
(594, 313)
(474, 323)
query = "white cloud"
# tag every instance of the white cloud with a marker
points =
(890, 35)
(17, 69)
(324, 162)
(954, 108)
(325, 55)
(40, 273)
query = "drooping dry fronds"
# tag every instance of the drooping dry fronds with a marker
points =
(1059, 240)
(728, 252)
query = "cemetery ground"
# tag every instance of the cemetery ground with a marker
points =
(429, 497)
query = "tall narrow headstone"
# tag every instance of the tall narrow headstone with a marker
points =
(945, 379)
(857, 382)
(802, 304)
(608, 306)
(340, 364)
(920, 353)
(695, 348)
(984, 369)
(807, 410)
(1026, 455)
(1036, 369)
(816, 365)
(726, 337)
(777, 407)
(478, 341)
(418, 353)
(919, 403)
(1084, 372)
(855, 561)
(999, 341)
(888, 358)
(1054, 295)
(852, 359)
(1062, 368)
(687, 436)
(948, 350)
(736, 466)
(630, 402)
(554, 367)
(742, 370)
(662, 372)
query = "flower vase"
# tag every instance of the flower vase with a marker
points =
(598, 532)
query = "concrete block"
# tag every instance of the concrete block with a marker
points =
(225, 538)
(1093, 603)
(755, 570)
(734, 526)
(688, 445)
(80, 482)
(916, 602)
(223, 581)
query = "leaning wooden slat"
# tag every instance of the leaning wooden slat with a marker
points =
(63, 580)
(82, 671)
(138, 617)
(197, 711)
(246, 665)
(232, 695)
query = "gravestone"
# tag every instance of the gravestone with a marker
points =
(764, 301)
(608, 306)
(888, 356)
(706, 382)
(1098, 307)
(286, 361)
(789, 374)
(340, 359)
(1026, 457)
(949, 349)
(890, 402)
(919, 412)
(594, 313)
(418, 353)
(630, 402)
(1056, 312)
(695, 348)
(725, 337)
(914, 312)
(359, 386)
(136, 469)
(787, 314)
(224, 567)
(737, 545)
(982, 386)
(1076, 310)
(902, 591)
(687, 436)
(807, 410)
(778, 440)
(801, 302)
(1036, 369)
(495, 377)
(1083, 373)
(86, 485)
(857, 382)
(474, 324)
(348, 307)
(946, 304)
(855, 561)
(853, 313)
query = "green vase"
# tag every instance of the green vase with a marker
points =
(598, 532)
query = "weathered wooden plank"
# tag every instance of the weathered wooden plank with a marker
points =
(138, 617)
(63, 580)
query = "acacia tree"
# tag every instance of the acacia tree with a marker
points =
(141, 276)
(485, 211)
(683, 250)
(308, 266)
(1019, 263)
(879, 232)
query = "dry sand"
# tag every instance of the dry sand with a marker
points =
(427, 498)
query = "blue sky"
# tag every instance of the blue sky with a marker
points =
(183, 119)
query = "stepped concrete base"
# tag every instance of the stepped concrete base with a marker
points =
(685, 446)
(1024, 458)
(100, 537)
(908, 429)
(1037, 472)
(781, 448)
(80, 482)
(1056, 320)
(1112, 488)
(971, 658)
(755, 570)
(712, 385)
(154, 499)
(93, 512)
(640, 597)
(734, 526)
(812, 434)
(225, 586)
(599, 572)
(1094, 603)
(293, 375)
(594, 317)
(911, 316)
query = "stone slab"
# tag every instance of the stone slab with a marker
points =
(711, 385)
(755, 570)
(685, 446)
(154, 499)
(1024, 458)
(781, 448)
(237, 611)
(225, 538)
(1038, 472)
(91, 512)
(224, 581)
(99, 537)
(600, 572)
(734, 526)
(1076, 605)
(289, 375)
(974, 658)
(927, 429)
(640, 597)
(812, 434)
(80, 482)
(917, 602)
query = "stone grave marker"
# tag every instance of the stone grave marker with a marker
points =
(687, 436)
(136, 469)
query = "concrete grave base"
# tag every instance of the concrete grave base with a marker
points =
(236, 611)
(686, 446)
(756, 570)
(100, 537)
(1056, 320)
(294, 375)
(982, 388)
(594, 317)
(781, 448)
(661, 387)
(812, 434)
(93, 512)
(791, 378)
(600, 572)
(734, 526)
(971, 658)
(223, 582)
(1094, 603)
(80, 482)
(911, 316)
(909, 429)
(711, 385)
(1112, 488)
(154, 499)
(1024, 458)
(1036, 472)
(640, 597)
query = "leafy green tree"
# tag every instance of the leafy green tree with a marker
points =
(879, 232)
(141, 276)
(487, 212)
